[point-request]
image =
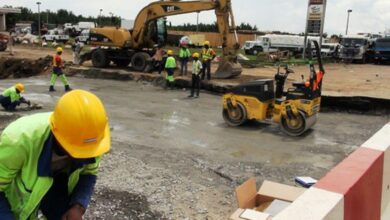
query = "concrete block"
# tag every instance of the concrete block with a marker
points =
(359, 178)
(315, 204)
(381, 141)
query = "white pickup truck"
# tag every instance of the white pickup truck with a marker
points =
(55, 35)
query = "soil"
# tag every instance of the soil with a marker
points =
(20, 68)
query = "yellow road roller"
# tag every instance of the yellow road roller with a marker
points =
(295, 110)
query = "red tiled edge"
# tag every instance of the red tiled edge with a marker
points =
(359, 179)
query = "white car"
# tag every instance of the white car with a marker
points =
(55, 35)
(84, 36)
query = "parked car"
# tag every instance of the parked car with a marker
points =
(382, 50)
(84, 36)
(55, 35)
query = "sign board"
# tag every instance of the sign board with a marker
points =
(315, 16)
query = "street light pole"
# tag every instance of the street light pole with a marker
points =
(47, 17)
(39, 19)
(346, 30)
(100, 17)
(197, 21)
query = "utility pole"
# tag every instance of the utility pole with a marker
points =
(306, 32)
(349, 12)
(197, 21)
(39, 19)
(47, 17)
(322, 23)
(100, 17)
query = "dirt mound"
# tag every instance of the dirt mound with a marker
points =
(20, 68)
(110, 204)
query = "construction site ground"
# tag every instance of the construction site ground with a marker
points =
(175, 158)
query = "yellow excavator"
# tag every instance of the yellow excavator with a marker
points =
(124, 47)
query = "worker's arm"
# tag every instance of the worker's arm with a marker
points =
(23, 100)
(84, 189)
(11, 162)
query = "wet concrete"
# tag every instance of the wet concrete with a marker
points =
(187, 139)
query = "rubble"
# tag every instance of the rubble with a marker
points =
(20, 68)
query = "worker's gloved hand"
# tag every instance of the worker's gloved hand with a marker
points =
(74, 213)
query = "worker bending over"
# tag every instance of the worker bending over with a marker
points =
(170, 66)
(12, 97)
(58, 66)
(49, 161)
(196, 70)
(208, 55)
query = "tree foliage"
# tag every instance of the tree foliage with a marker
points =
(58, 17)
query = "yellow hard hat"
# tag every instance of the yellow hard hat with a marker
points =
(195, 55)
(59, 49)
(206, 43)
(19, 87)
(80, 124)
(170, 52)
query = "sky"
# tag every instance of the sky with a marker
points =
(368, 16)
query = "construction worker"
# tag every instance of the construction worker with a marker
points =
(49, 161)
(208, 55)
(184, 56)
(58, 65)
(158, 59)
(12, 97)
(196, 70)
(170, 66)
(77, 47)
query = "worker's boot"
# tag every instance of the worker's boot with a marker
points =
(51, 89)
(67, 88)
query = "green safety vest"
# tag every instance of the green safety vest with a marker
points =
(11, 92)
(207, 54)
(184, 53)
(171, 63)
(196, 67)
(21, 144)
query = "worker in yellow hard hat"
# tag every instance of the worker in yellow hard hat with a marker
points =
(170, 66)
(49, 161)
(208, 55)
(58, 66)
(196, 70)
(12, 97)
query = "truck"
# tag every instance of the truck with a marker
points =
(55, 35)
(354, 48)
(75, 29)
(330, 50)
(382, 50)
(274, 42)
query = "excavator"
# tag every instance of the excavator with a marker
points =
(124, 47)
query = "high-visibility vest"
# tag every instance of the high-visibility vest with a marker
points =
(12, 94)
(207, 54)
(57, 61)
(170, 63)
(184, 53)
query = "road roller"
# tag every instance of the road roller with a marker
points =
(295, 110)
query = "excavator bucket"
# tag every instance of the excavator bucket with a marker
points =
(228, 69)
